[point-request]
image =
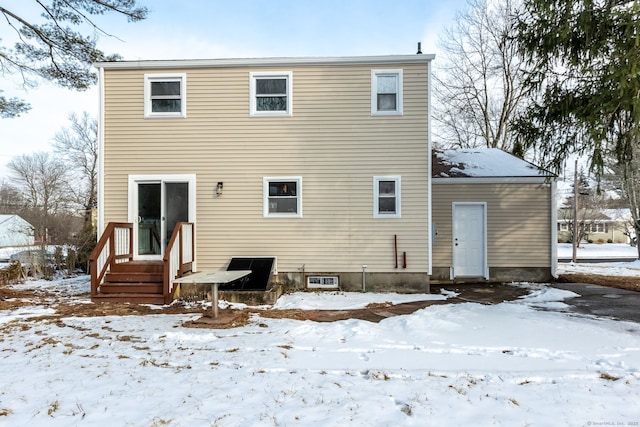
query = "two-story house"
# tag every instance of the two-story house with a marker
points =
(323, 164)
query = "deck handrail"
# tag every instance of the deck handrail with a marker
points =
(178, 257)
(115, 245)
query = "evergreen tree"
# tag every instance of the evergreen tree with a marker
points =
(53, 47)
(585, 57)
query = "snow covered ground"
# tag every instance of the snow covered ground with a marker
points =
(511, 364)
(604, 251)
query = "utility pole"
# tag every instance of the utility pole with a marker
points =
(575, 213)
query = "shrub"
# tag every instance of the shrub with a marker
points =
(13, 273)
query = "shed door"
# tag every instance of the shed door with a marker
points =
(469, 239)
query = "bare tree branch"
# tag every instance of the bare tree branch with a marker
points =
(479, 86)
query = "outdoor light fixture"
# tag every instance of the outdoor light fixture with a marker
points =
(219, 188)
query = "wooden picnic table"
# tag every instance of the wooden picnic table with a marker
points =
(215, 279)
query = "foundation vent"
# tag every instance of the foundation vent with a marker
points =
(323, 282)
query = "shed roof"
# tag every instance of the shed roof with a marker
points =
(482, 163)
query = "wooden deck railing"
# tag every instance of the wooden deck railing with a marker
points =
(115, 246)
(178, 257)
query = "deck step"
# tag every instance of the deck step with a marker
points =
(132, 277)
(138, 267)
(131, 288)
(136, 282)
(130, 298)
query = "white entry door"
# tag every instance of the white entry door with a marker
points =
(469, 240)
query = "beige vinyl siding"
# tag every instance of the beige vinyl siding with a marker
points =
(518, 222)
(331, 141)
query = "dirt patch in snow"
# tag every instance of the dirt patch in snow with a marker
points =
(12, 298)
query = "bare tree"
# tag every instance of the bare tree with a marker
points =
(478, 85)
(78, 145)
(11, 201)
(42, 179)
(628, 174)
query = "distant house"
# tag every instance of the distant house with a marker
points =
(598, 225)
(494, 216)
(15, 231)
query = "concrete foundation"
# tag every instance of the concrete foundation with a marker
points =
(199, 292)
(353, 282)
(497, 275)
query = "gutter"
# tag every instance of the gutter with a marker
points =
(256, 62)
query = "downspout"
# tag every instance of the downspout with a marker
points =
(101, 223)
(429, 171)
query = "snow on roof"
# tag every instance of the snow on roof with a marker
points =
(4, 217)
(7, 217)
(623, 214)
(482, 162)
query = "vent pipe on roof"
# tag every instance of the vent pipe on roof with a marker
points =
(419, 52)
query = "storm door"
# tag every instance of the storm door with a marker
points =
(158, 205)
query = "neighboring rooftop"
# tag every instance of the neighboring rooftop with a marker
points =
(482, 163)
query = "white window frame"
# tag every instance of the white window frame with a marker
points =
(179, 77)
(253, 112)
(265, 197)
(376, 197)
(374, 92)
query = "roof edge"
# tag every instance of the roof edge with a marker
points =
(494, 180)
(238, 62)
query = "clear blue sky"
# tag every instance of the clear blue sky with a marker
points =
(231, 29)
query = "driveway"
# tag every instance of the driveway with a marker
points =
(603, 301)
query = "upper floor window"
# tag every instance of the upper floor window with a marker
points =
(386, 92)
(271, 93)
(386, 197)
(282, 197)
(165, 95)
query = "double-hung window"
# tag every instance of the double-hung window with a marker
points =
(386, 197)
(165, 95)
(282, 197)
(386, 92)
(271, 93)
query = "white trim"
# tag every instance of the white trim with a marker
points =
(244, 62)
(398, 196)
(101, 223)
(253, 76)
(265, 197)
(494, 180)
(179, 77)
(133, 180)
(554, 230)
(485, 267)
(430, 226)
(374, 92)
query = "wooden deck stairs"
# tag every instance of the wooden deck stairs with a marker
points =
(117, 277)
(137, 282)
